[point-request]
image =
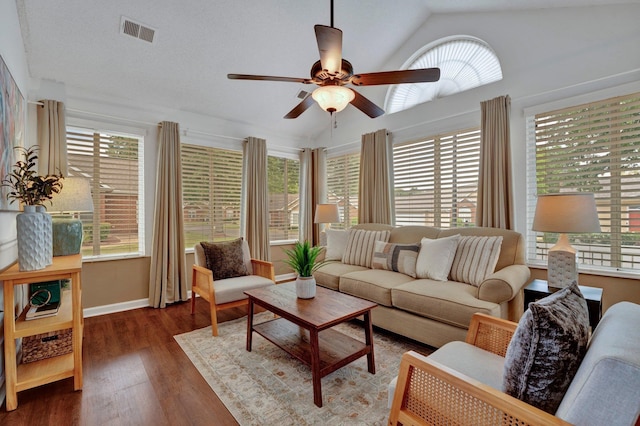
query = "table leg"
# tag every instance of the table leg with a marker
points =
(315, 367)
(368, 338)
(249, 324)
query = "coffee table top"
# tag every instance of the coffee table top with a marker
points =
(327, 309)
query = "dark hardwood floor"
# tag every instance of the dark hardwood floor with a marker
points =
(134, 374)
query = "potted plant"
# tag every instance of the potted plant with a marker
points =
(34, 229)
(303, 259)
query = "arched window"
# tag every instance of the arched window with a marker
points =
(465, 62)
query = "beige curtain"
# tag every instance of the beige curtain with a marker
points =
(168, 283)
(255, 205)
(313, 171)
(495, 194)
(52, 138)
(375, 201)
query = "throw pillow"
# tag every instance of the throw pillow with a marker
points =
(225, 259)
(336, 243)
(547, 348)
(360, 246)
(475, 259)
(395, 257)
(436, 257)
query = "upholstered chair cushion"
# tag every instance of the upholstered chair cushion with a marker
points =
(476, 259)
(396, 257)
(547, 349)
(225, 259)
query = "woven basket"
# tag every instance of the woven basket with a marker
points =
(46, 345)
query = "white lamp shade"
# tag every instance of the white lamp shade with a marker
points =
(333, 98)
(326, 213)
(566, 213)
(75, 196)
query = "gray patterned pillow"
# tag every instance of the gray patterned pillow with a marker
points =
(396, 257)
(547, 349)
(225, 259)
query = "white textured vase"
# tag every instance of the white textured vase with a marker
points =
(305, 287)
(48, 233)
(31, 227)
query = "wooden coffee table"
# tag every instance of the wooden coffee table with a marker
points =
(303, 328)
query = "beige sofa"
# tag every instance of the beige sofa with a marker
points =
(429, 311)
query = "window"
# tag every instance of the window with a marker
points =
(465, 62)
(343, 174)
(593, 147)
(114, 164)
(283, 177)
(211, 192)
(436, 180)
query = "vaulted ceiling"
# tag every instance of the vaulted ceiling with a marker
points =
(78, 43)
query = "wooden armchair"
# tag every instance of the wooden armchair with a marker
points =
(429, 393)
(229, 292)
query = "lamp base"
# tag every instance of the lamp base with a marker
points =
(67, 236)
(562, 269)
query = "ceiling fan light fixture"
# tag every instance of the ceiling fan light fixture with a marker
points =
(333, 98)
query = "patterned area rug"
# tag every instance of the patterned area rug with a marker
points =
(269, 387)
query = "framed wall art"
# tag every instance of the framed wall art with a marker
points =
(12, 127)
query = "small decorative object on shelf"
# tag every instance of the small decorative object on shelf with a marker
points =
(34, 229)
(303, 260)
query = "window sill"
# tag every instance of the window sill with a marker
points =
(613, 273)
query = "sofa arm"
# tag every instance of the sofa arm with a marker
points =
(430, 393)
(505, 284)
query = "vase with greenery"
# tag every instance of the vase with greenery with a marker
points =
(34, 229)
(303, 259)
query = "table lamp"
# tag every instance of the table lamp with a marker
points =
(74, 197)
(326, 213)
(565, 213)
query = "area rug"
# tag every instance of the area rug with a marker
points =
(269, 387)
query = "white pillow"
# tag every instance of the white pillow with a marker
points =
(475, 259)
(336, 243)
(436, 257)
(360, 246)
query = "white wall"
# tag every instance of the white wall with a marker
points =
(546, 55)
(12, 52)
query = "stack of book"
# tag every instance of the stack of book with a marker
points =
(47, 310)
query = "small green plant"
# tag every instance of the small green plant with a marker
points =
(26, 185)
(303, 258)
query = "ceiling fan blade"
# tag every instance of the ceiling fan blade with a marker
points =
(268, 78)
(330, 47)
(366, 106)
(300, 108)
(423, 75)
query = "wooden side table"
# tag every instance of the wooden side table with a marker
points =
(26, 376)
(593, 295)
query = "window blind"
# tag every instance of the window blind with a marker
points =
(113, 163)
(593, 147)
(343, 173)
(436, 180)
(211, 193)
(284, 198)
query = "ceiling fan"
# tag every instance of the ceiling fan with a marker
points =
(332, 73)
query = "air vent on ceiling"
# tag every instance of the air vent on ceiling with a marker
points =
(136, 29)
(302, 94)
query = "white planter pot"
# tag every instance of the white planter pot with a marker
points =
(305, 287)
(31, 227)
(48, 234)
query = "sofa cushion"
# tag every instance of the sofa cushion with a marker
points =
(226, 259)
(445, 301)
(547, 349)
(396, 257)
(436, 257)
(608, 380)
(336, 243)
(328, 275)
(476, 259)
(372, 284)
(360, 246)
